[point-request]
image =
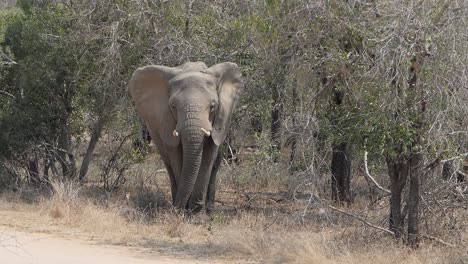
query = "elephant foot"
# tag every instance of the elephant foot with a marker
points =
(209, 208)
(199, 219)
(195, 207)
(179, 212)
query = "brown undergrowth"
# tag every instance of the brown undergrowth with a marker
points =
(254, 220)
(260, 227)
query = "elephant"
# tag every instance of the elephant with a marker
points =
(187, 110)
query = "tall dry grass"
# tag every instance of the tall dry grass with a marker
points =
(245, 236)
(64, 199)
(260, 230)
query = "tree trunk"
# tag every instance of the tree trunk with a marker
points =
(277, 81)
(398, 171)
(276, 115)
(33, 171)
(95, 135)
(294, 129)
(48, 163)
(292, 178)
(65, 151)
(341, 174)
(341, 161)
(417, 158)
(188, 10)
(413, 199)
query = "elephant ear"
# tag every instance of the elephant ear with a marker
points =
(229, 89)
(149, 88)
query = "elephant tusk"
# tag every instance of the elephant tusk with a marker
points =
(175, 133)
(207, 133)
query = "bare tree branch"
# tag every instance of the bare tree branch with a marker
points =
(362, 220)
(456, 157)
(370, 177)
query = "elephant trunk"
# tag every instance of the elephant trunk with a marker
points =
(192, 143)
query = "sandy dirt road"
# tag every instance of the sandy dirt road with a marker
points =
(37, 248)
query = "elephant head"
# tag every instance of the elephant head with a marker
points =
(187, 105)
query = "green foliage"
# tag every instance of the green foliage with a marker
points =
(68, 65)
(40, 81)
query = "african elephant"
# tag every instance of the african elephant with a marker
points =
(187, 110)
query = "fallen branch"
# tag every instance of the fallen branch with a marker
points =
(438, 240)
(456, 157)
(367, 223)
(370, 177)
(462, 174)
(362, 220)
(437, 161)
(7, 94)
(8, 61)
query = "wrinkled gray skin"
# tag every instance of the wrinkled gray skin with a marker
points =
(187, 110)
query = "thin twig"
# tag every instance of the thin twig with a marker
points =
(362, 220)
(328, 84)
(270, 224)
(306, 208)
(370, 177)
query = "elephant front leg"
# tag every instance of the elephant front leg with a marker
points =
(198, 197)
(211, 193)
(174, 166)
(173, 184)
(172, 180)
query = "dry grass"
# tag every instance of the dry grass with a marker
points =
(246, 235)
(308, 247)
(253, 236)
(257, 228)
(64, 199)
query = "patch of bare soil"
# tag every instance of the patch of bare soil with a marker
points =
(38, 248)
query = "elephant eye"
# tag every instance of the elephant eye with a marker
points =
(212, 107)
(173, 108)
